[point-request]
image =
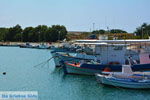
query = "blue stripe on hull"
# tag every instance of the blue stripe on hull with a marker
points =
(138, 67)
(125, 84)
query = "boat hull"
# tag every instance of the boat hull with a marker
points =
(117, 68)
(58, 57)
(81, 71)
(124, 84)
(91, 69)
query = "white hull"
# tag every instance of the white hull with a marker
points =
(71, 57)
(126, 84)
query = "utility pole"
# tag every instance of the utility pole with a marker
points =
(108, 29)
(90, 30)
(142, 32)
(59, 35)
(93, 26)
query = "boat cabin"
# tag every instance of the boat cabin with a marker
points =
(120, 51)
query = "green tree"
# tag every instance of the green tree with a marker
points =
(117, 31)
(58, 33)
(99, 32)
(12, 32)
(3, 32)
(143, 31)
(27, 34)
(41, 31)
(48, 35)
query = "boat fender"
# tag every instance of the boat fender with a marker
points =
(113, 63)
(107, 69)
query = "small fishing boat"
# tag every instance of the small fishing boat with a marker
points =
(77, 68)
(111, 55)
(70, 56)
(65, 47)
(28, 45)
(43, 46)
(92, 67)
(126, 79)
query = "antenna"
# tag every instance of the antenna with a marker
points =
(106, 22)
(90, 30)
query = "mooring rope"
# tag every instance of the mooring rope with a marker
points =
(45, 62)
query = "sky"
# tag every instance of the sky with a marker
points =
(76, 15)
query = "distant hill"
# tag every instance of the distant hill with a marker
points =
(77, 32)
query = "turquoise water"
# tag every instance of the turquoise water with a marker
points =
(51, 84)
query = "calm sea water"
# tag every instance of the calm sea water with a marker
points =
(51, 84)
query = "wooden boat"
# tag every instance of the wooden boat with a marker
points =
(110, 55)
(126, 79)
(92, 68)
(70, 56)
(76, 68)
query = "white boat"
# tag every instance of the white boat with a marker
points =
(126, 79)
(28, 45)
(43, 46)
(58, 56)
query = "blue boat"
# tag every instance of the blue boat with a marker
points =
(111, 55)
(75, 68)
(125, 79)
(91, 69)
(126, 83)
